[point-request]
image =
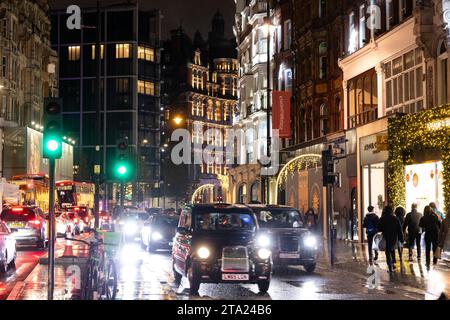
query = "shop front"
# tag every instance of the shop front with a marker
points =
(419, 159)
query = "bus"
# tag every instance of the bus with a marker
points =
(74, 194)
(33, 189)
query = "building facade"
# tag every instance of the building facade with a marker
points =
(395, 68)
(200, 82)
(27, 71)
(130, 94)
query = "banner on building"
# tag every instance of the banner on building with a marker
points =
(281, 113)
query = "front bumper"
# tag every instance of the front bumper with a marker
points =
(304, 257)
(210, 272)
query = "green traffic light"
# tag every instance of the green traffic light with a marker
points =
(122, 170)
(52, 145)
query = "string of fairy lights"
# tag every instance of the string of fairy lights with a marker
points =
(426, 130)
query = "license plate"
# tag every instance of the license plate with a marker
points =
(235, 277)
(289, 255)
(16, 224)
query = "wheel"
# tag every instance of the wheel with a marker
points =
(41, 243)
(194, 281)
(263, 286)
(111, 282)
(4, 265)
(12, 264)
(310, 267)
(176, 275)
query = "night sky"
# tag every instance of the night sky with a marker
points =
(194, 14)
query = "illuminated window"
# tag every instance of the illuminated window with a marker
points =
(101, 51)
(74, 53)
(146, 87)
(147, 54)
(122, 85)
(218, 112)
(122, 51)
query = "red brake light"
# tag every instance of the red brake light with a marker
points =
(86, 219)
(17, 209)
(34, 222)
(76, 209)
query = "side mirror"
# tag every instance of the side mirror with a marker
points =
(182, 230)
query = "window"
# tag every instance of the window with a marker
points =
(323, 119)
(218, 112)
(352, 34)
(404, 83)
(323, 59)
(74, 53)
(122, 51)
(147, 54)
(322, 8)
(5, 67)
(287, 35)
(122, 85)
(362, 99)
(102, 47)
(362, 26)
(146, 87)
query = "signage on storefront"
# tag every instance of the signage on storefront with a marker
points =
(374, 148)
(438, 124)
(281, 113)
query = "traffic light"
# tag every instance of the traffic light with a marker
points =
(327, 167)
(52, 128)
(122, 168)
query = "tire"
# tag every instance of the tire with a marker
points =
(111, 282)
(12, 264)
(41, 244)
(194, 281)
(263, 286)
(310, 267)
(4, 264)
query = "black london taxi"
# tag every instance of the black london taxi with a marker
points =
(291, 242)
(220, 243)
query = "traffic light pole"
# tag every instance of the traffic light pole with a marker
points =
(122, 195)
(51, 242)
(330, 222)
(98, 118)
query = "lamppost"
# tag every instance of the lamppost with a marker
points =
(267, 28)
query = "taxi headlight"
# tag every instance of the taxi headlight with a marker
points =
(203, 253)
(263, 241)
(264, 253)
(310, 241)
(156, 236)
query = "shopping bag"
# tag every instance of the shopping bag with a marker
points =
(422, 240)
(379, 242)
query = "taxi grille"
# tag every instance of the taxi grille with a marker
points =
(289, 244)
(235, 259)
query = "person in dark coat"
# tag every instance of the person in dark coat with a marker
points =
(430, 224)
(411, 223)
(400, 213)
(392, 233)
(370, 222)
(311, 220)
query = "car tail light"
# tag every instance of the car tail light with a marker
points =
(75, 220)
(86, 219)
(34, 223)
(17, 209)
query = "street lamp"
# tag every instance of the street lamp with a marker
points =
(178, 120)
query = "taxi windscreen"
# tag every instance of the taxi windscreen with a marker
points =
(279, 219)
(224, 222)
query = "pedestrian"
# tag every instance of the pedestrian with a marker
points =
(370, 222)
(430, 224)
(389, 225)
(436, 211)
(400, 214)
(311, 220)
(411, 223)
(443, 232)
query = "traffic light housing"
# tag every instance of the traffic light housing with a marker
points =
(328, 167)
(122, 168)
(52, 142)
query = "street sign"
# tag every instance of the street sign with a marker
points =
(97, 169)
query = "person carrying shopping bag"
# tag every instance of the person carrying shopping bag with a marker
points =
(371, 223)
(411, 224)
(430, 224)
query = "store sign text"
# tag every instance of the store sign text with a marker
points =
(440, 124)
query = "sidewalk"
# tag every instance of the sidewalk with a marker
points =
(35, 286)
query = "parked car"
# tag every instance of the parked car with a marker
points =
(220, 243)
(158, 232)
(28, 225)
(64, 223)
(86, 215)
(291, 242)
(8, 251)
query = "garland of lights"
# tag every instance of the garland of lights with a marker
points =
(298, 164)
(428, 129)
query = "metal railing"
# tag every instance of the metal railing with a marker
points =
(363, 117)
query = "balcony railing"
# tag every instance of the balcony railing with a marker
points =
(364, 117)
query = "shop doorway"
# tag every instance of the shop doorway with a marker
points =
(424, 184)
(354, 215)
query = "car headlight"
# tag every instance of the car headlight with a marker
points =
(203, 253)
(130, 228)
(263, 241)
(156, 236)
(310, 241)
(264, 253)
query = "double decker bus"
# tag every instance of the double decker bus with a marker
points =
(74, 194)
(33, 189)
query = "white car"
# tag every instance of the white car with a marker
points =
(7, 249)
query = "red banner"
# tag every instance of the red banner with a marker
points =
(281, 113)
